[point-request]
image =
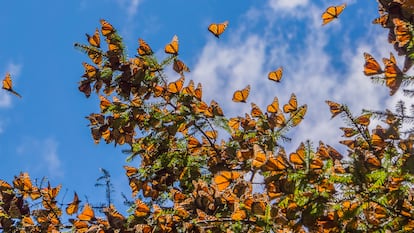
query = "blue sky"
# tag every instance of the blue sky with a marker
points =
(45, 133)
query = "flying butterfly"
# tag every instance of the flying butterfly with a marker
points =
(332, 13)
(241, 95)
(144, 49)
(172, 47)
(218, 28)
(95, 39)
(8, 85)
(276, 75)
(292, 105)
(371, 66)
(256, 111)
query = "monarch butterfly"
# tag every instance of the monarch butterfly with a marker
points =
(372, 160)
(189, 90)
(215, 108)
(212, 134)
(8, 85)
(73, 206)
(144, 49)
(277, 119)
(392, 74)
(256, 111)
(87, 213)
(371, 66)
(278, 162)
(332, 13)
(298, 157)
(218, 28)
(234, 123)
(259, 156)
(363, 119)
(198, 92)
(238, 215)
(382, 20)
(180, 67)
(335, 108)
(95, 39)
(300, 114)
(141, 209)
(104, 104)
(224, 178)
(27, 221)
(274, 106)
(241, 95)
(90, 70)
(130, 171)
(175, 87)
(95, 56)
(276, 75)
(107, 29)
(292, 105)
(402, 32)
(172, 47)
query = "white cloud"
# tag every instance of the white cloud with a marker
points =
(46, 151)
(277, 5)
(310, 71)
(130, 6)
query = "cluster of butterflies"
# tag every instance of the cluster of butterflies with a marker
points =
(8, 85)
(396, 16)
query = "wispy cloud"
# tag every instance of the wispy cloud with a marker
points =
(312, 71)
(130, 6)
(46, 152)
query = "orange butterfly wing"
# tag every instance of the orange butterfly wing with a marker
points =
(95, 39)
(172, 47)
(276, 75)
(292, 105)
(87, 213)
(176, 86)
(224, 178)
(144, 49)
(218, 28)
(241, 95)
(402, 32)
(298, 157)
(371, 66)
(107, 29)
(274, 106)
(332, 13)
(392, 74)
(73, 207)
